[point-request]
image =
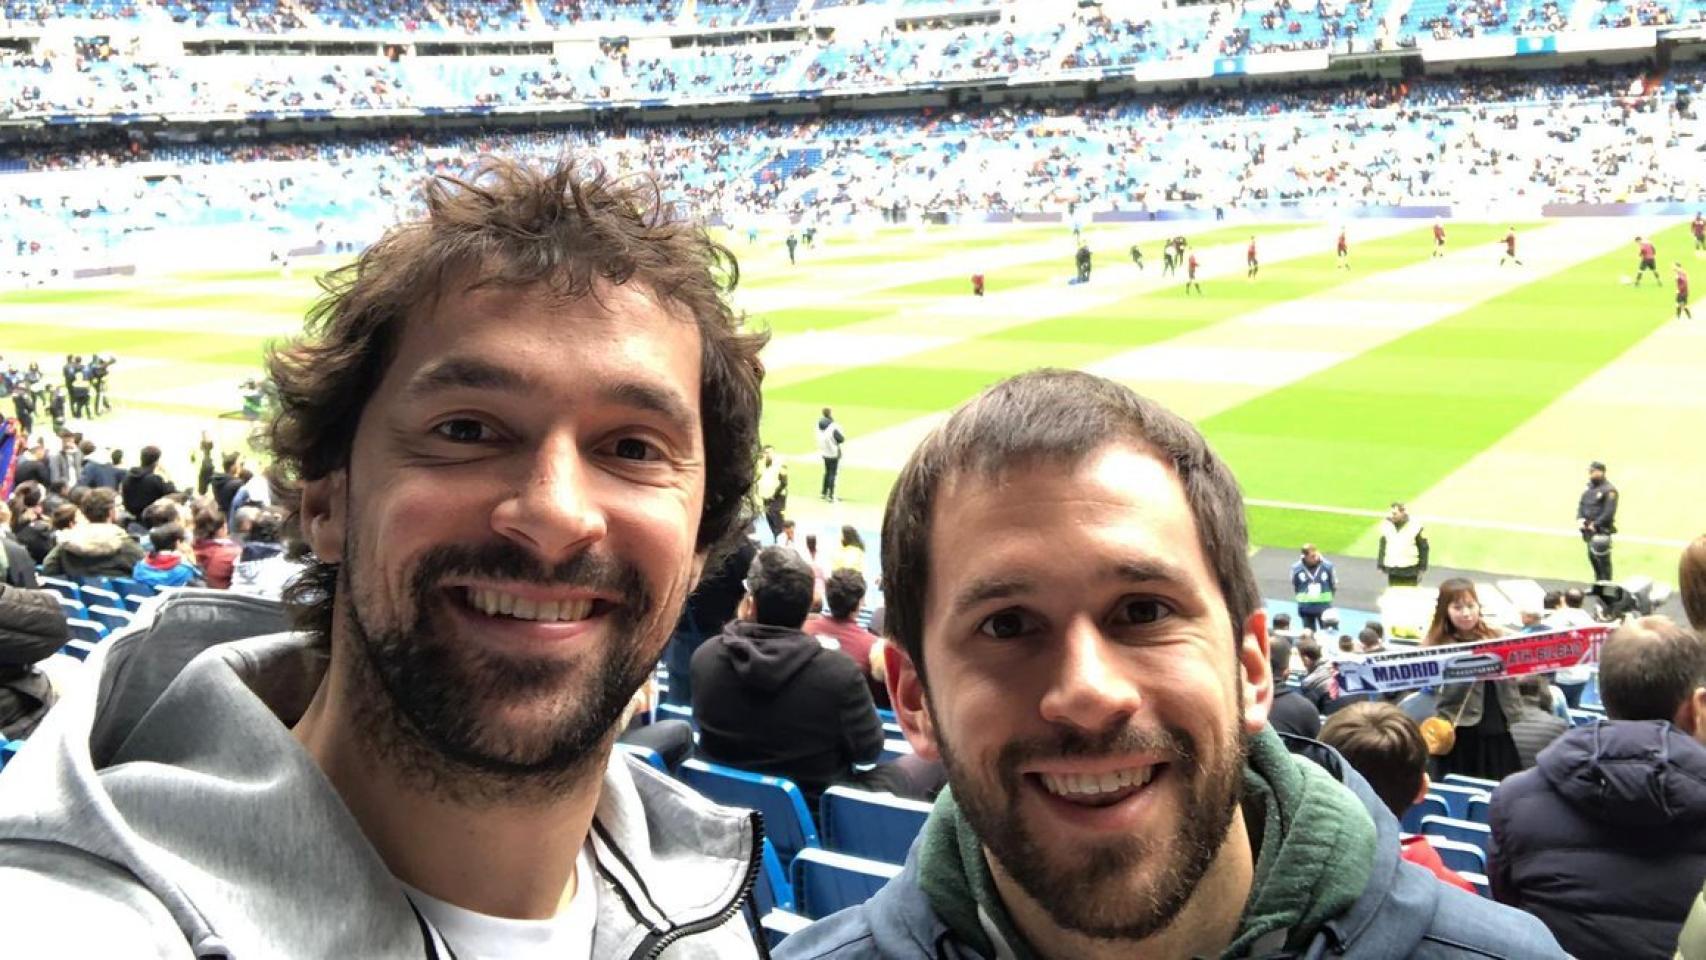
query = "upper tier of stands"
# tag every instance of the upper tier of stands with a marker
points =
(1567, 137)
(1089, 37)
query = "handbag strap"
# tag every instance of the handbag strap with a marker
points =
(1465, 704)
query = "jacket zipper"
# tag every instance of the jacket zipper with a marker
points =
(654, 945)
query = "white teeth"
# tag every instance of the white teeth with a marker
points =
(496, 602)
(1090, 785)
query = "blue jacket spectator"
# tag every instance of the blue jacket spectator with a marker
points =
(165, 566)
(1605, 839)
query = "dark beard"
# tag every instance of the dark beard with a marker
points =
(420, 701)
(1077, 896)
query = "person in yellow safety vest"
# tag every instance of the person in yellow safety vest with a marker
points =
(1313, 581)
(1403, 555)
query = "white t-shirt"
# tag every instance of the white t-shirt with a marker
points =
(477, 936)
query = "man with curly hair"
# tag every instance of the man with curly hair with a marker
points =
(511, 437)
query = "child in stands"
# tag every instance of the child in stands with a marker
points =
(1385, 746)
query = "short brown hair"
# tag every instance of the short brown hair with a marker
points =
(1648, 667)
(570, 229)
(1691, 577)
(98, 507)
(1055, 416)
(1385, 746)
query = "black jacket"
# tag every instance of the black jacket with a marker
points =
(20, 566)
(141, 487)
(1598, 506)
(1294, 713)
(774, 700)
(32, 627)
(1605, 839)
(29, 468)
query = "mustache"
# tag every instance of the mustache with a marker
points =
(504, 560)
(1116, 740)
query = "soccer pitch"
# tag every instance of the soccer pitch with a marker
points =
(1476, 392)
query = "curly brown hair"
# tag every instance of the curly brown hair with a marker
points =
(570, 228)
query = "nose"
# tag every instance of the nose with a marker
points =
(555, 510)
(1091, 688)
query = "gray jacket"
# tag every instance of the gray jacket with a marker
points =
(209, 832)
(1464, 703)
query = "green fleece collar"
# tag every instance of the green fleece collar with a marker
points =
(1316, 852)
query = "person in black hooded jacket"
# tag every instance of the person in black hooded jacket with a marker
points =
(32, 627)
(144, 485)
(771, 699)
(1605, 839)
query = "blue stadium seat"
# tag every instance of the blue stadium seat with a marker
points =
(1462, 831)
(94, 596)
(778, 924)
(1479, 882)
(1460, 856)
(1589, 699)
(112, 618)
(64, 588)
(8, 750)
(892, 731)
(1481, 811)
(894, 749)
(877, 826)
(773, 891)
(78, 648)
(645, 755)
(826, 881)
(1431, 806)
(675, 711)
(125, 586)
(73, 609)
(1475, 783)
(787, 822)
(1456, 798)
(1583, 718)
(94, 583)
(87, 631)
(887, 716)
(134, 601)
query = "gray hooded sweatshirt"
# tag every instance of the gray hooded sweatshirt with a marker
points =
(210, 832)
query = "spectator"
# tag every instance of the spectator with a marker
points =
(1291, 712)
(844, 594)
(1691, 583)
(1605, 840)
(144, 485)
(17, 567)
(1110, 756)
(216, 554)
(33, 530)
(1319, 686)
(1483, 745)
(98, 548)
(228, 482)
(770, 699)
(263, 568)
(165, 566)
(32, 468)
(710, 607)
(1370, 641)
(65, 466)
(32, 628)
(1535, 725)
(1386, 747)
(109, 475)
(851, 554)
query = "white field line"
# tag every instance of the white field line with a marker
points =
(1462, 522)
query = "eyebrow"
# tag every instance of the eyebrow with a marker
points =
(985, 589)
(467, 373)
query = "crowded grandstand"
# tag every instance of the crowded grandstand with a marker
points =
(690, 714)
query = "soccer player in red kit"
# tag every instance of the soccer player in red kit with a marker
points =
(1250, 264)
(1439, 239)
(1682, 294)
(1649, 262)
(1344, 251)
(1191, 276)
(1510, 248)
(977, 284)
(1699, 228)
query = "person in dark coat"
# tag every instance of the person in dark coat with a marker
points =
(144, 485)
(1605, 840)
(32, 627)
(771, 699)
(1291, 712)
